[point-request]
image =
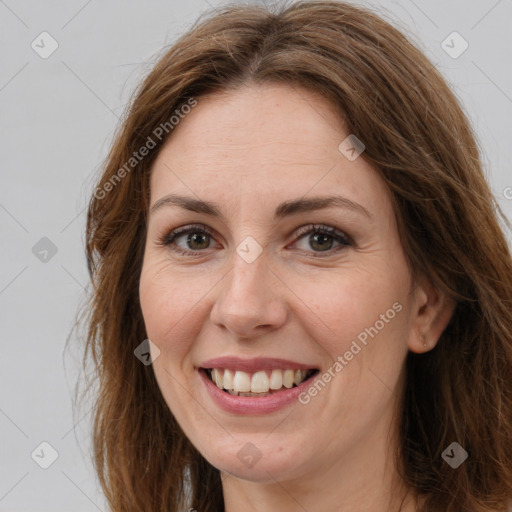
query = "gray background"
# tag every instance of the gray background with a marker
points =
(57, 119)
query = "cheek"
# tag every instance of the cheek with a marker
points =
(166, 302)
(364, 322)
(175, 305)
(341, 305)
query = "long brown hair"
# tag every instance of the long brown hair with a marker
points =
(417, 136)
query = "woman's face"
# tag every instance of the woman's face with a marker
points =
(261, 293)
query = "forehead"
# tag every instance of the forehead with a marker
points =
(270, 140)
(256, 120)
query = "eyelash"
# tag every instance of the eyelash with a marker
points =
(167, 239)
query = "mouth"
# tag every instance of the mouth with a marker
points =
(257, 384)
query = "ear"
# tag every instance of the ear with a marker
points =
(432, 312)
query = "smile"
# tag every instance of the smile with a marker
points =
(258, 384)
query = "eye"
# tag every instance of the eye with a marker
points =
(198, 238)
(321, 238)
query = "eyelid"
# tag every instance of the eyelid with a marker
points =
(323, 229)
(169, 236)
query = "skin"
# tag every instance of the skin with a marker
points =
(248, 151)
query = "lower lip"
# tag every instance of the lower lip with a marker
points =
(253, 405)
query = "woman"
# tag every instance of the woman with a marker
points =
(301, 289)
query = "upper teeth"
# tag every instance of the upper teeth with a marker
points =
(259, 382)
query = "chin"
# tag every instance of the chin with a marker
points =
(260, 461)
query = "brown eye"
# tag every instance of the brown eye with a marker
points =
(198, 239)
(322, 238)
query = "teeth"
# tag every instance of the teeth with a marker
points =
(299, 376)
(218, 377)
(288, 377)
(259, 383)
(276, 379)
(242, 382)
(228, 379)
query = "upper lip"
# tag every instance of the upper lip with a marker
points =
(255, 364)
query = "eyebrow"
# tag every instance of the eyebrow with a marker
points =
(285, 209)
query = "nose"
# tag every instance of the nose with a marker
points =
(251, 300)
